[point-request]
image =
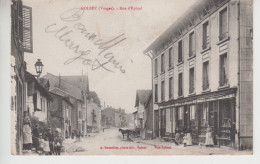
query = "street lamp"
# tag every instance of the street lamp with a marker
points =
(38, 67)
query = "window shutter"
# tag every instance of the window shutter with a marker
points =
(27, 29)
(35, 102)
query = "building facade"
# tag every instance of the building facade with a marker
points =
(60, 113)
(21, 42)
(76, 88)
(37, 98)
(202, 73)
(112, 117)
(144, 116)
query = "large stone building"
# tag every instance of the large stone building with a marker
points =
(202, 73)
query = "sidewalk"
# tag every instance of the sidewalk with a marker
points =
(195, 149)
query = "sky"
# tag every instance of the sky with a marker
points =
(131, 32)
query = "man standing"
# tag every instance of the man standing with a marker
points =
(50, 137)
(35, 137)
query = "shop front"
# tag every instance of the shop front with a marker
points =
(194, 114)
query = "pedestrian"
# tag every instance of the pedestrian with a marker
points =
(41, 144)
(46, 147)
(185, 140)
(58, 143)
(35, 137)
(177, 136)
(50, 137)
(27, 132)
(72, 135)
(209, 139)
(78, 136)
(189, 137)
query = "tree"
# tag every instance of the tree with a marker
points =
(94, 96)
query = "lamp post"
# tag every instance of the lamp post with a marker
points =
(38, 66)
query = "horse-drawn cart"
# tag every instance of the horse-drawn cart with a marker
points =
(130, 133)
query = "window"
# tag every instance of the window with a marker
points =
(191, 44)
(191, 89)
(205, 36)
(204, 117)
(162, 63)
(170, 58)
(223, 24)
(41, 104)
(162, 91)
(180, 85)
(180, 113)
(155, 67)
(180, 51)
(205, 75)
(223, 80)
(192, 112)
(171, 87)
(156, 93)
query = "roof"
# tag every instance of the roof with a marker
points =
(62, 94)
(142, 96)
(70, 88)
(78, 81)
(30, 78)
(192, 17)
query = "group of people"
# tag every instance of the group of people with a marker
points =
(48, 144)
(186, 140)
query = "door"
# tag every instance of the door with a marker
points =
(156, 123)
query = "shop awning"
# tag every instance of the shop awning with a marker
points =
(209, 96)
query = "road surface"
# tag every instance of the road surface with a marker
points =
(111, 142)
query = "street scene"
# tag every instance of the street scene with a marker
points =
(79, 87)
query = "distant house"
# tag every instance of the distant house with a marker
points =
(61, 111)
(112, 117)
(144, 115)
(37, 97)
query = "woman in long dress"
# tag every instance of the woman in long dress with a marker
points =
(27, 132)
(189, 138)
(209, 139)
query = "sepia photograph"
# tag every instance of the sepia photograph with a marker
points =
(131, 77)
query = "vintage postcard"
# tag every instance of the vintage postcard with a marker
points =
(131, 77)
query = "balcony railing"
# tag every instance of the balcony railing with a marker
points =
(223, 35)
(180, 92)
(223, 82)
(205, 86)
(191, 90)
(205, 43)
(191, 53)
(170, 95)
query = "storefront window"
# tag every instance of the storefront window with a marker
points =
(192, 112)
(205, 113)
(180, 113)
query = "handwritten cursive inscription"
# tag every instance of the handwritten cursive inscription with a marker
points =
(64, 34)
